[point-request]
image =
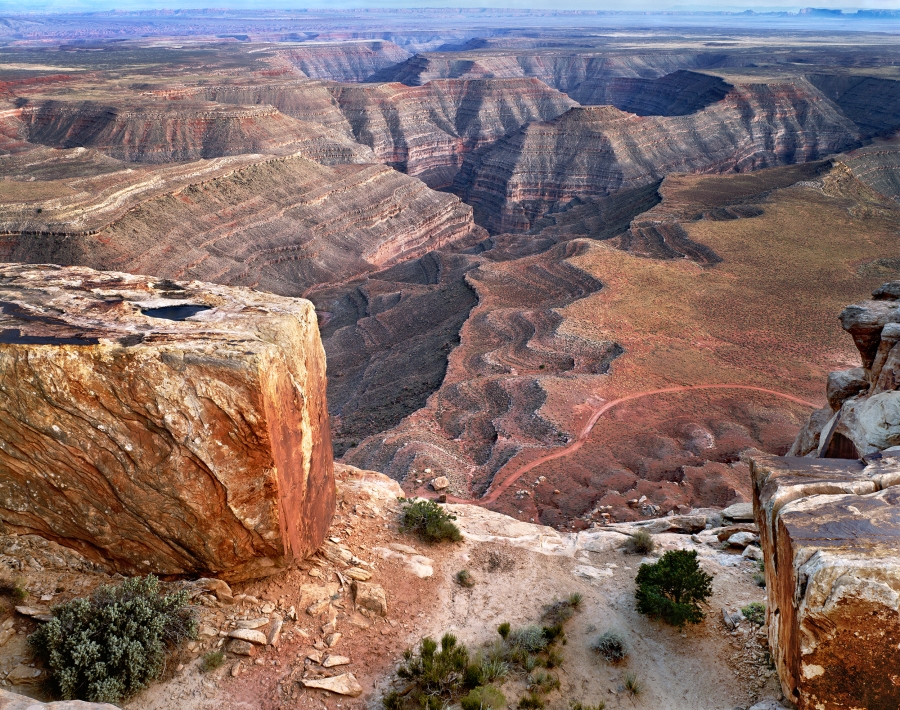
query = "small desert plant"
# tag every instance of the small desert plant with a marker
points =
(760, 577)
(542, 682)
(465, 579)
(428, 520)
(14, 588)
(554, 658)
(504, 630)
(483, 698)
(633, 686)
(755, 613)
(641, 543)
(492, 670)
(611, 646)
(561, 611)
(212, 660)
(108, 647)
(530, 639)
(532, 701)
(674, 588)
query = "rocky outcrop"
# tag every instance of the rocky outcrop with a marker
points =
(677, 94)
(589, 152)
(877, 166)
(279, 224)
(158, 426)
(863, 416)
(427, 131)
(829, 534)
(14, 701)
(873, 103)
(168, 131)
(344, 61)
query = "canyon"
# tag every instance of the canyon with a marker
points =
(575, 274)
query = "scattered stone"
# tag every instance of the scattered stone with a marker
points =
(358, 574)
(732, 618)
(292, 613)
(592, 573)
(329, 628)
(275, 631)
(318, 607)
(241, 648)
(36, 613)
(742, 539)
(371, 597)
(219, 588)
(267, 608)
(440, 483)
(739, 512)
(333, 661)
(24, 675)
(752, 552)
(251, 635)
(236, 669)
(345, 684)
(315, 656)
(332, 639)
(252, 623)
(207, 630)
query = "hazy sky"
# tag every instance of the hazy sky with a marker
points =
(639, 5)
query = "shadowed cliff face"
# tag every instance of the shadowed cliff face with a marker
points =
(344, 61)
(428, 131)
(597, 151)
(872, 103)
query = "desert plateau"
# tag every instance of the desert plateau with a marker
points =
(449, 358)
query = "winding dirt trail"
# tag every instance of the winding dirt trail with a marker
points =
(498, 490)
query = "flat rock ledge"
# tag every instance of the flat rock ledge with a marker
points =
(178, 428)
(14, 701)
(830, 535)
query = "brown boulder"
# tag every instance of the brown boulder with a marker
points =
(830, 535)
(174, 428)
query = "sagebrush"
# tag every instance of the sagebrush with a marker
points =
(755, 613)
(674, 589)
(641, 543)
(111, 645)
(611, 646)
(428, 520)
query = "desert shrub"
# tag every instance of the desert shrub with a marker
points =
(641, 543)
(428, 520)
(113, 644)
(465, 579)
(542, 682)
(532, 701)
(483, 698)
(14, 588)
(504, 630)
(611, 646)
(530, 639)
(755, 612)
(560, 612)
(674, 588)
(212, 660)
(438, 674)
(633, 686)
(554, 658)
(492, 670)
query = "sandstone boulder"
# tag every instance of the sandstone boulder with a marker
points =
(156, 426)
(844, 384)
(830, 535)
(371, 597)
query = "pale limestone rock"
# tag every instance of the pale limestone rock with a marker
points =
(344, 684)
(371, 597)
(251, 635)
(13, 701)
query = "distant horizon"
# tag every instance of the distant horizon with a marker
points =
(49, 7)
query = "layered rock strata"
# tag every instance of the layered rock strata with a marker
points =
(345, 61)
(167, 131)
(872, 102)
(158, 426)
(830, 536)
(589, 152)
(427, 131)
(863, 413)
(279, 224)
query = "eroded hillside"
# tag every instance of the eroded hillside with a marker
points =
(530, 256)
